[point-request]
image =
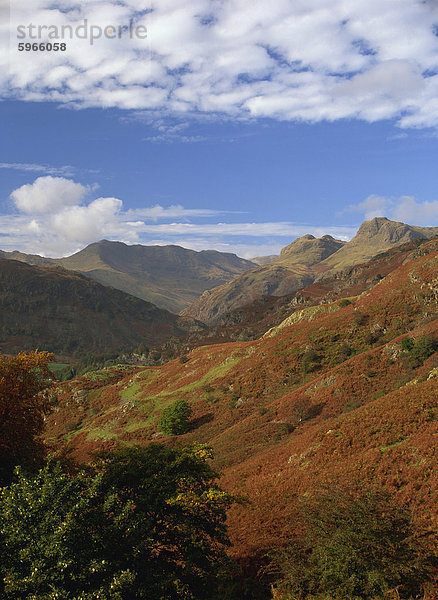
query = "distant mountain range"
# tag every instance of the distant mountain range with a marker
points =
(305, 260)
(291, 271)
(169, 276)
(53, 309)
(209, 284)
(252, 320)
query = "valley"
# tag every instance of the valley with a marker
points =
(333, 384)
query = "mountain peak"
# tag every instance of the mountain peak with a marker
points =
(310, 250)
(391, 232)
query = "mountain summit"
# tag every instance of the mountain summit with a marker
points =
(308, 250)
(374, 236)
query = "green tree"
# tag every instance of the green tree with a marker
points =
(355, 547)
(407, 344)
(175, 418)
(143, 523)
(424, 347)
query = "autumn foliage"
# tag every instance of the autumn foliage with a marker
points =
(23, 405)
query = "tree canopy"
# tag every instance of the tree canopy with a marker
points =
(141, 523)
(175, 418)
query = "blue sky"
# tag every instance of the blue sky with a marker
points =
(236, 126)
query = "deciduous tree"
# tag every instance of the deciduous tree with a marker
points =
(23, 404)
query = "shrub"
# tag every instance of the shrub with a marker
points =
(23, 406)
(343, 352)
(355, 547)
(175, 419)
(424, 347)
(407, 344)
(360, 319)
(344, 302)
(310, 361)
(419, 349)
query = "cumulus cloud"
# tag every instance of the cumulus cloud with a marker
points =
(303, 60)
(409, 210)
(372, 206)
(54, 218)
(86, 223)
(47, 194)
(405, 209)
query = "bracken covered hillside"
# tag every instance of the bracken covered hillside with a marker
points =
(346, 390)
(252, 320)
(64, 312)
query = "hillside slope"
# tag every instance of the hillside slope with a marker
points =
(264, 260)
(291, 271)
(62, 311)
(252, 320)
(304, 261)
(375, 236)
(169, 276)
(331, 393)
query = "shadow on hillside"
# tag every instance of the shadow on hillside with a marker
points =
(195, 423)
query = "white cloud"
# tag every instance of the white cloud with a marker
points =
(405, 209)
(171, 212)
(303, 60)
(86, 223)
(47, 194)
(53, 219)
(284, 229)
(66, 170)
(372, 206)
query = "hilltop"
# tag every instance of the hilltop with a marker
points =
(65, 312)
(375, 236)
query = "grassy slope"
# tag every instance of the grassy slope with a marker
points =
(281, 423)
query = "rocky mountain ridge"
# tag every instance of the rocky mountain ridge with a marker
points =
(302, 262)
